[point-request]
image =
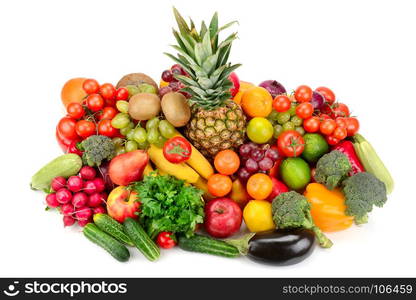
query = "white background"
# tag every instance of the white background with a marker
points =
(363, 50)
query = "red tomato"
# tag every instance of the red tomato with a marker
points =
(340, 133)
(324, 117)
(108, 91)
(90, 86)
(75, 110)
(105, 128)
(85, 128)
(352, 126)
(331, 140)
(341, 123)
(122, 94)
(165, 240)
(291, 143)
(303, 93)
(328, 126)
(107, 113)
(340, 110)
(312, 124)
(281, 103)
(177, 150)
(327, 93)
(66, 127)
(95, 102)
(304, 110)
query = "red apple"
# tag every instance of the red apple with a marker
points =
(223, 217)
(128, 167)
(236, 82)
(278, 188)
(122, 204)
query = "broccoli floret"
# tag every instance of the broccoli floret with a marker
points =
(332, 168)
(96, 149)
(292, 210)
(362, 191)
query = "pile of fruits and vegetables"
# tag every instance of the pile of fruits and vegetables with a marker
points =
(210, 163)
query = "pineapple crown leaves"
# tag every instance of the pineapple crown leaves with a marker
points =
(205, 59)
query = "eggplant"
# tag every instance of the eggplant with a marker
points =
(281, 247)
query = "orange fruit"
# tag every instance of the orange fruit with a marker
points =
(227, 162)
(259, 186)
(163, 83)
(238, 96)
(244, 86)
(72, 91)
(219, 185)
(257, 102)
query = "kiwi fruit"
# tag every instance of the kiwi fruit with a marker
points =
(136, 79)
(176, 109)
(144, 106)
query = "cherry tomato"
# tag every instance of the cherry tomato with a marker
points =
(95, 102)
(107, 113)
(291, 143)
(219, 185)
(66, 127)
(90, 86)
(340, 133)
(312, 124)
(304, 110)
(331, 140)
(75, 110)
(303, 93)
(328, 126)
(324, 117)
(352, 126)
(105, 128)
(341, 123)
(281, 103)
(85, 128)
(108, 91)
(165, 240)
(177, 150)
(227, 162)
(327, 93)
(122, 94)
(340, 110)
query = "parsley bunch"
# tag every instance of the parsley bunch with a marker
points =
(167, 204)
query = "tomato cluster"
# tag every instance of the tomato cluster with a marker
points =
(92, 116)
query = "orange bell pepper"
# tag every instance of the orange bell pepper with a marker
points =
(327, 208)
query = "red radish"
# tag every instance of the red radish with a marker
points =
(87, 173)
(96, 199)
(82, 223)
(80, 199)
(99, 210)
(75, 183)
(51, 200)
(68, 221)
(58, 183)
(67, 209)
(83, 214)
(90, 187)
(63, 196)
(99, 184)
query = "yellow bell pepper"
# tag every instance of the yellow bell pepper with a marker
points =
(327, 208)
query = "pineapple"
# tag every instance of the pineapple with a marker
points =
(217, 122)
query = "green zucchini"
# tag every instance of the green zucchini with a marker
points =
(204, 244)
(65, 165)
(107, 242)
(141, 240)
(112, 227)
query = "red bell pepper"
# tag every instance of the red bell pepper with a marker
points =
(347, 148)
(67, 145)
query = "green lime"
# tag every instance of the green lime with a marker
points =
(315, 147)
(295, 173)
(259, 130)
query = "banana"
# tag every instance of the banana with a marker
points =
(372, 162)
(180, 171)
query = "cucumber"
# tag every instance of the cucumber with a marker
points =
(65, 165)
(105, 241)
(112, 227)
(204, 244)
(141, 240)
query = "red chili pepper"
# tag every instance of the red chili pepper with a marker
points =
(347, 148)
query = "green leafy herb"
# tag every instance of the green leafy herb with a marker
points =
(167, 204)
